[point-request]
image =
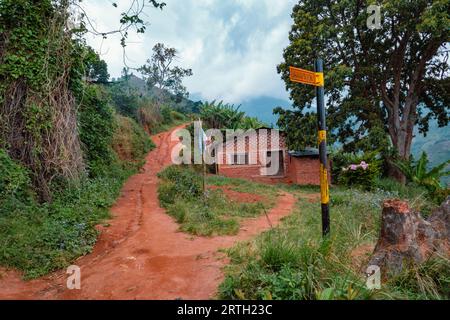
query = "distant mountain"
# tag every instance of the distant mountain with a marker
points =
(436, 144)
(262, 108)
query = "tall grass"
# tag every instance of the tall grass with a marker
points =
(292, 261)
(213, 213)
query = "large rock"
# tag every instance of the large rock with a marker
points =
(407, 238)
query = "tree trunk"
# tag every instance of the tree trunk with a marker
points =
(395, 172)
(402, 141)
(406, 238)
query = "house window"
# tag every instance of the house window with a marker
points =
(240, 159)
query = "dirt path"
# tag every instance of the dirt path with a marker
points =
(141, 255)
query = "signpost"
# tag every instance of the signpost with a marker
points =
(316, 79)
(306, 76)
(202, 146)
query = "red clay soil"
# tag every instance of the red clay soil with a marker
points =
(361, 255)
(142, 255)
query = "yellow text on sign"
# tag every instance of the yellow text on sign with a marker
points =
(306, 77)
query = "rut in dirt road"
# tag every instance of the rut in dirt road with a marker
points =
(142, 255)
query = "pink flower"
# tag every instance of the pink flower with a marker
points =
(353, 167)
(364, 165)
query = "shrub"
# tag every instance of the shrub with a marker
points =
(97, 126)
(125, 101)
(184, 183)
(418, 172)
(40, 238)
(181, 193)
(176, 116)
(364, 175)
(355, 170)
(166, 114)
(149, 115)
(131, 143)
(14, 179)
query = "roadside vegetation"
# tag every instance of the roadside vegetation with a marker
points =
(292, 261)
(69, 138)
(181, 193)
(41, 236)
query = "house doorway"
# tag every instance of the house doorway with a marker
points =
(279, 159)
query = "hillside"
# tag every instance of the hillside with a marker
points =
(139, 85)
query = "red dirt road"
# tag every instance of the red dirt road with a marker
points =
(142, 255)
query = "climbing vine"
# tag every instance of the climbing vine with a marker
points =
(38, 114)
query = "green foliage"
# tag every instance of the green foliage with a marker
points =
(185, 183)
(301, 128)
(96, 69)
(97, 126)
(180, 192)
(126, 101)
(356, 170)
(226, 116)
(39, 238)
(24, 55)
(418, 172)
(372, 78)
(161, 74)
(15, 183)
(40, 71)
(131, 143)
(292, 261)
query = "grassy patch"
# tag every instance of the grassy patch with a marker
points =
(130, 142)
(180, 192)
(292, 261)
(39, 238)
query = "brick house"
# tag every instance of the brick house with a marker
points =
(252, 155)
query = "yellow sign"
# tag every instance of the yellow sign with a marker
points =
(322, 136)
(324, 192)
(306, 77)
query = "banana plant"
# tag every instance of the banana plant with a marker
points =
(417, 172)
(226, 116)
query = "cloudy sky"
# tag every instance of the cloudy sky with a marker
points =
(233, 46)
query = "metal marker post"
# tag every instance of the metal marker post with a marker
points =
(321, 116)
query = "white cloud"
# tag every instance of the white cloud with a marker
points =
(233, 47)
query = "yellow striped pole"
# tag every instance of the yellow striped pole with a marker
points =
(321, 116)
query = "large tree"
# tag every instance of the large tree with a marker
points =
(395, 77)
(161, 73)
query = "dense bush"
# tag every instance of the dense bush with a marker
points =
(356, 170)
(126, 101)
(131, 142)
(96, 126)
(213, 213)
(183, 183)
(39, 238)
(14, 179)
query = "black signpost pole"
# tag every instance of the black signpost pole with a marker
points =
(324, 190)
